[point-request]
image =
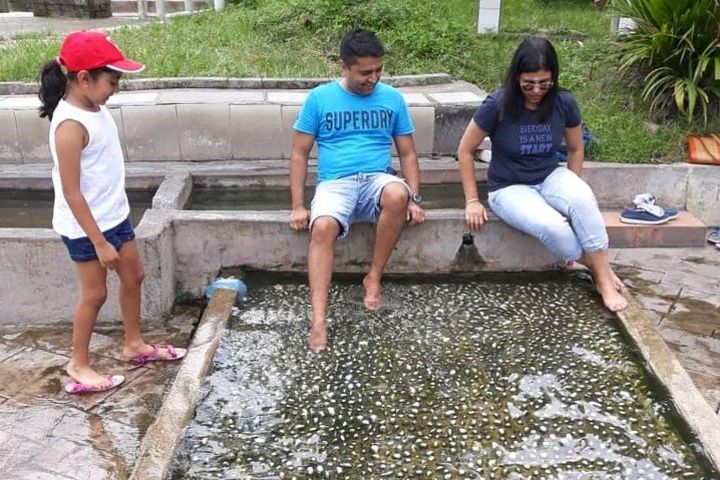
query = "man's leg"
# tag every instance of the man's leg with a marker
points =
(393, 215)
(330, 216)
(321, 255)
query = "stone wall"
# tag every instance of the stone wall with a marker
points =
(70, 8)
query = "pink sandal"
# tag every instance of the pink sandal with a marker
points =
(154, 356)
(75, 387)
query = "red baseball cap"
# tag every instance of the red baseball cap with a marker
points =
(87, 50)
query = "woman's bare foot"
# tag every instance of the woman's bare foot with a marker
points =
(619, 285)
(317, 339)
(85, 375)
(373, 290)
(612, 298)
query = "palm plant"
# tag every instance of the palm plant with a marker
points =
(676, 48)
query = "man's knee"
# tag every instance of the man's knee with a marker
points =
(394, 196)
(325, 229)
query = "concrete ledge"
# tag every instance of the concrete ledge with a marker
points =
(704, 424)
(182, 249)
(31, 88)
(210, 119)
(164, 434)
(174, 191)
(207, 241)
(684, 231)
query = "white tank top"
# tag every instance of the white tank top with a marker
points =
(102, 172)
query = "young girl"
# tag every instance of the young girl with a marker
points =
(91, 208)
(527, 119)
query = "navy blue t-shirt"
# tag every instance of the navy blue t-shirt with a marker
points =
(523, 150)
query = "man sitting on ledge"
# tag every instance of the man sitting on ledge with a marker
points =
(355, 121)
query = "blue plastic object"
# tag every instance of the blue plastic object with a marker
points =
(587, 137)
(229, 283)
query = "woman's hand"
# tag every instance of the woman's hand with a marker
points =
(475, 215)
(107, 255)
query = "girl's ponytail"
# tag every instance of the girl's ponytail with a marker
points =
(53, 83)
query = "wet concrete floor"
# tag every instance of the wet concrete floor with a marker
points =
(46, 434)
(679, 290)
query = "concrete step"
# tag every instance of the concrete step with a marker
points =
(131, 6)
(684, 231)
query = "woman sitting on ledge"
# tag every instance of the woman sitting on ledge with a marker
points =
(527, 120)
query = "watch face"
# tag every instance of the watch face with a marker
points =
(417, 198)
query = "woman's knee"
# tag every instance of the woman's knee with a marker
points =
(560, 239)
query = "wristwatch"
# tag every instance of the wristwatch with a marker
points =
(416, 198)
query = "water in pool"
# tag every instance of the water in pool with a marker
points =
(467, 378)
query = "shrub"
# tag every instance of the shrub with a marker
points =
(676, 49)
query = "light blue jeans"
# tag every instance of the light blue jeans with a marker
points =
(561, 212)
(351, 199)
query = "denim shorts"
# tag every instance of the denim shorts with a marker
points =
(82, 250)
(355, 198)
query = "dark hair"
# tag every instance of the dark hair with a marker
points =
(532, 54)
(360, 43)
(53, 85)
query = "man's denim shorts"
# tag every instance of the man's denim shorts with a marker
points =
(82, 250)
(355, 198)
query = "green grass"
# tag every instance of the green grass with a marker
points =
(299, 38)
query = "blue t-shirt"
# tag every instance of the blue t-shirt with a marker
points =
(354, 132)
(523, 150)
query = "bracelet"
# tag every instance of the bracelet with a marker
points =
(472, 200)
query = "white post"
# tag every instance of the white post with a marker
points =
(142, 8)
(188, 5)
(219, 4)
(160, 9)
(488, 16)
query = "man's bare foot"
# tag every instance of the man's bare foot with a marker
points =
(613, 300)
(87, 376)
(373, 290)
(317, 339)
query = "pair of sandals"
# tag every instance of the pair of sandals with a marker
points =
(114, 381)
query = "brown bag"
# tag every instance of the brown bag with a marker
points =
(704, 149)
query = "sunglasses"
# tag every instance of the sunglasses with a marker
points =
(543, 85)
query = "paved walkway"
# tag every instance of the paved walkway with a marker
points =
(679, 290)
(48, 435)
(12, 24)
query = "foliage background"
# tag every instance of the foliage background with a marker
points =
(299, 38)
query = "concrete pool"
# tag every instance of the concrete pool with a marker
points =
(472, 377)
